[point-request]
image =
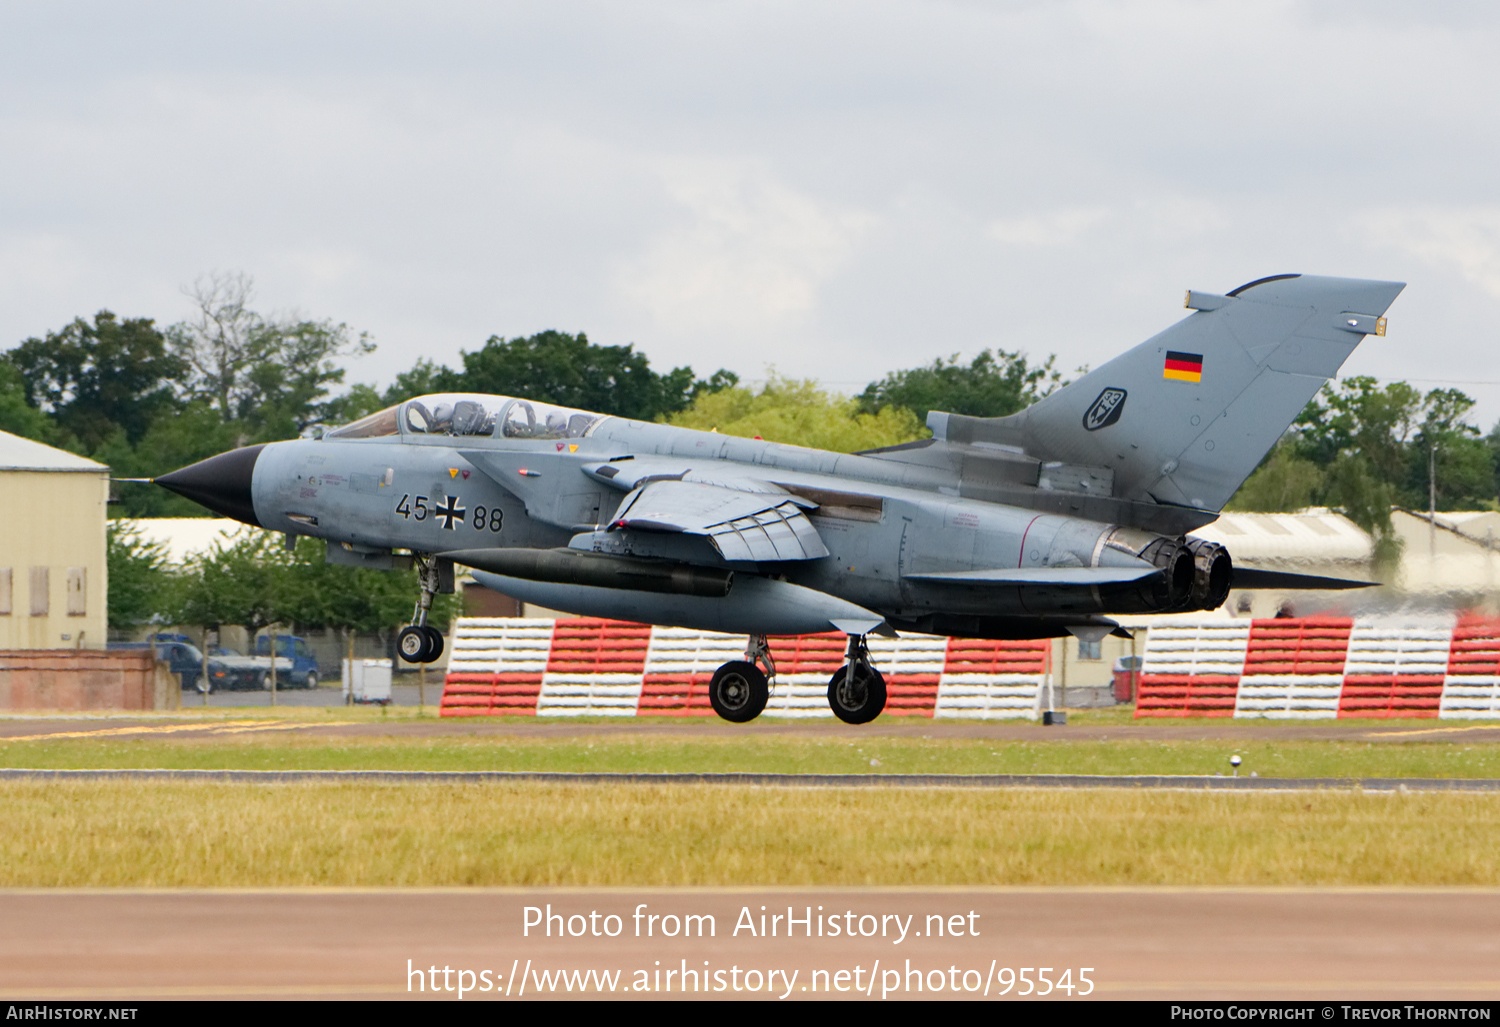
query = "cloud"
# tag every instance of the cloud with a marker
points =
(1464, 239)
(1162, 217)
(1178, 217)
(1057, 228)
(39, 261)
(842, 189)
(748, 251)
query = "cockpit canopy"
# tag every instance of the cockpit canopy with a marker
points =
(472, 414)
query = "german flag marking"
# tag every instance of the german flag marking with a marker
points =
(1183, 367)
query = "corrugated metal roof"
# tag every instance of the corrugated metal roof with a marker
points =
(18, 454)
(1480, 525)
(1311, 536)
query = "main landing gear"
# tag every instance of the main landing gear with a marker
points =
(856, 692)
(419, 642)
(739, 690)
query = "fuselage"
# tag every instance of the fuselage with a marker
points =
(510, 473)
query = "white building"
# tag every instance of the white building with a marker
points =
(53, 568)
(1450, 560)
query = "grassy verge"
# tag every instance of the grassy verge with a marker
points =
(204, 835)
(741, 751)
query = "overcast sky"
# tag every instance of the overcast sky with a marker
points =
(835, 189)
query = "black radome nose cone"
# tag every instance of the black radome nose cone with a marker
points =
(221, 483)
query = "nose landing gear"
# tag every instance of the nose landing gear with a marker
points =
(856, 692)
(739, 690)
(419, 642)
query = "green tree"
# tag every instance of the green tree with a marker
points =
(993, 384)
(1360, 418)
(101, 378)
(1359, 433)
(1362, 447)
(425, 377)
(17, 415)
(196, 432)
(241, 583)
(254, 582)
(800, 413)
(1283, 482)
(1492, 443)
(352, 600)
(555, 367)
(140, 586)
(1449, 458)
(271, 377)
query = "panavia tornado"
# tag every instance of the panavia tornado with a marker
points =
(1035, 525)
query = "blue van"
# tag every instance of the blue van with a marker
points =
(304, 670)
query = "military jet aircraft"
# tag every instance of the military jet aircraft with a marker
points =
(1035, 525)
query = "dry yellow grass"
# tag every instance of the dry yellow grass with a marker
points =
(217, 835)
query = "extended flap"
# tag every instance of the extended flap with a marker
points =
(741, 525)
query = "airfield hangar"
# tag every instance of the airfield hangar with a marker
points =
(53, 570)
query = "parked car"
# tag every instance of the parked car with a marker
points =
(240, 672)
(295, 661)
(185, 660)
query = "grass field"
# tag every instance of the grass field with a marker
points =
(205, 835)
(736, 750)
(166, 834)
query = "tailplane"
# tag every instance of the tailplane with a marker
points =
(1186, 416)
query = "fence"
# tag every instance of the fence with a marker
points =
(513, 666)
(1323, 667)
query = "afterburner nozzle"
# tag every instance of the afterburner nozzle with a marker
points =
(1213, 571)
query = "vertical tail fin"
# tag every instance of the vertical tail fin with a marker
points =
(1186, 416)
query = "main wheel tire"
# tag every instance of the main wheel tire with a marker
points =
(311, 682)
(435, 644)
(413, 644)
(859, 701)
(738, 692)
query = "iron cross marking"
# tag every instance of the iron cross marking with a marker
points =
(450, 511)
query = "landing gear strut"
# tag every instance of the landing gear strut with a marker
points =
(856, 692)
(739, 690)
(421, 643)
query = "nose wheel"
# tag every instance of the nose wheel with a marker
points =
(856, 692)
(420, 642)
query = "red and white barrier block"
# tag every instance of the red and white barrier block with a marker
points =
(573, 667)
(1323, 667)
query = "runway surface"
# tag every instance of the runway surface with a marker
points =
(1171, 782)
(1161, 943)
